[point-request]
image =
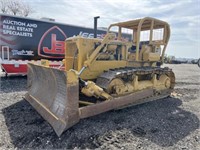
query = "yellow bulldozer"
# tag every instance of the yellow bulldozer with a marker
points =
(103, 74)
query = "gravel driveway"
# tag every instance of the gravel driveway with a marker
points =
(170, 123)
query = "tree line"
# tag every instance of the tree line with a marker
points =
(15, 7)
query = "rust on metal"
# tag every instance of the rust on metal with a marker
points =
(93, 110)
(53, 98)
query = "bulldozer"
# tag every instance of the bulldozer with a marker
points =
(103, 74)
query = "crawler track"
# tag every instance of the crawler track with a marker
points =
(128, 72)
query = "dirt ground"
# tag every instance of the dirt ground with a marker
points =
(170, 123)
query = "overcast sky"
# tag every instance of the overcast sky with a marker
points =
(182, 15)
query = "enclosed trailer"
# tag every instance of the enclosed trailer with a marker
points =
(26, 40)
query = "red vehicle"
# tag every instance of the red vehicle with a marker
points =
(26, 40)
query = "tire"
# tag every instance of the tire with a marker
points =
(198, 63)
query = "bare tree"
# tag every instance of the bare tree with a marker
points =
(4, 6)
(26, 9)
(15, 7)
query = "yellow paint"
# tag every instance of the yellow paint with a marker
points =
(45, 62)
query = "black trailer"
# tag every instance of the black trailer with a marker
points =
(24, 39)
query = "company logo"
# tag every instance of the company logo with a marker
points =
(52, 43)
(57, 47)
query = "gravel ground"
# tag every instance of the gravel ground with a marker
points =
(170, 123)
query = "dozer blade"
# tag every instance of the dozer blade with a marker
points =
(54, 94)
